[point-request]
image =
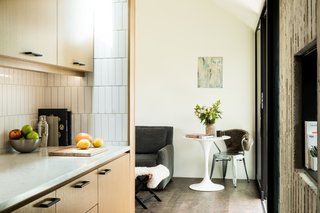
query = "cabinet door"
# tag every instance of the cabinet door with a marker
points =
(114, 186)
(75, 34)
(28, 29)
(45, 204)
(80, 195)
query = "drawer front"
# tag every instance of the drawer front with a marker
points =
(45, 204)
(80, 195)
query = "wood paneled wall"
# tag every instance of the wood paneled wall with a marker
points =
(297, 29)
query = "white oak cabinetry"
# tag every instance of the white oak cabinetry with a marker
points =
(80, 195)
(45, 204)
(105, 189)
(75, 34)
(28, 29)
(114, 195)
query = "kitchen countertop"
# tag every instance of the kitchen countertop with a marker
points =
(25, 175)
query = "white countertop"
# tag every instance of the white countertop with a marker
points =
(25, 175)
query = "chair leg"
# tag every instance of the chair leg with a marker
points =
(224, 168)
(212, 167)
(234, 168)
(141, 203)
(245, 168)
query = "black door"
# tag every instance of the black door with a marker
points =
(261, 107)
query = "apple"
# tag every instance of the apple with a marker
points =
(26, 129)
(32, 135)
(15, 134)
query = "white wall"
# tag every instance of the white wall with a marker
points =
(171, 35)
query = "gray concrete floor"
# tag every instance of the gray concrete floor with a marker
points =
(177, 197)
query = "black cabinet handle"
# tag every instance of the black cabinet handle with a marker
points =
(81, 184)
(78, 63)
(33, 54)
(46, 203)
(104, 172)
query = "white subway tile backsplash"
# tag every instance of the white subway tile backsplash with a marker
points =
(67, 97)
(112, 127)
(112, 72)
(118, 70)
(122, 43)
(47, 98)
(61, 97)
(76, 123)
(101, 101)
(51, 79)
(84, 123)
(97, 72)
(64, 80)
(88, 100)
(108, 95)
(97, 125)
(117, 16)
(57, 80)
(119, 127)
(95, 100)
(90, 124)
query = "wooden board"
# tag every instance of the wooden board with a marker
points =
(76, 152)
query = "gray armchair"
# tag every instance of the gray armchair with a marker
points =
(153, 147)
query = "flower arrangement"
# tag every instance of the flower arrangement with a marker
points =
(208, 115)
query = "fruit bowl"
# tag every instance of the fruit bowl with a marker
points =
(25, 145)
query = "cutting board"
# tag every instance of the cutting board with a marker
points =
(75, 152)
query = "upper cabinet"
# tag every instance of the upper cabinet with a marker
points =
(53, 32)
(28, 29)
(75, 34)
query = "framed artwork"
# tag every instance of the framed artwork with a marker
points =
(210, 73)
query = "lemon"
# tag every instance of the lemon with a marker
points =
(83, 144)
(97, 142)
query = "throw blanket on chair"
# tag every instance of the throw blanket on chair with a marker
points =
(156, 174)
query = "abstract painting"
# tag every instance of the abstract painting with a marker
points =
(210, 72)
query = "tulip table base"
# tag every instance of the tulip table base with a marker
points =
(206, 184)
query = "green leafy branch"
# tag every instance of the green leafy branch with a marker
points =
(208, 115)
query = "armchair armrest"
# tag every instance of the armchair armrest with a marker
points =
(165, 157)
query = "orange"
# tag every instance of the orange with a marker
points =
(82, 135)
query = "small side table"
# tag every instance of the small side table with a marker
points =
(206, 184)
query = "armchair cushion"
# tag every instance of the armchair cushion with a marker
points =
(148, 160)
(150, 140)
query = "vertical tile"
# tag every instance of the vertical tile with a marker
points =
(84, 80)
(34, 99)
(119, 72)
(47, 98)
(104, 125)
(88, 99)
(108, 105)
(95, 99)
(125, 127)
(90, 78)
(1, 100)
(70, 81)
(57, 80)
(67, 97)
(101, 101)
(64, 80)
(76, 81)
(118, 16)
(90, 124)
(125, 15)
(81, 101)
(104, 71)
(84, 123)
(97, 72)
(9, 99)
(54, 97)
(112, 127)
(97, 125)
(122, 99)
(115, 100)
(1, 76)
(122, 43)
(51, 79)
(125, 72)
(119, 127)
(112, 70)
(77, 123)
(61, 97)
(74, 98)
(115, 46)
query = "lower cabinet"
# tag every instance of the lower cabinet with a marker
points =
(105, 189)
(45, 204)
(79, 195)
(114, 186)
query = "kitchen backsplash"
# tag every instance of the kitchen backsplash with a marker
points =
(98, 101)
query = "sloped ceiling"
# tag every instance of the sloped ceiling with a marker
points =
(247, 11)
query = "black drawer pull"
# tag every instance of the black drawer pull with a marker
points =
(104, 172)
(75, 63)
(34, 54)
(81, 184)
(82, 64)
(46, 203)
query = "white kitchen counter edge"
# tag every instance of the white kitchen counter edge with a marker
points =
(13, 192)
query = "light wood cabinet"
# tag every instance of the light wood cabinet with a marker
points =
(75, 34)
(45, 204)
(28, 30)
(114, 186)
(79, 195)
